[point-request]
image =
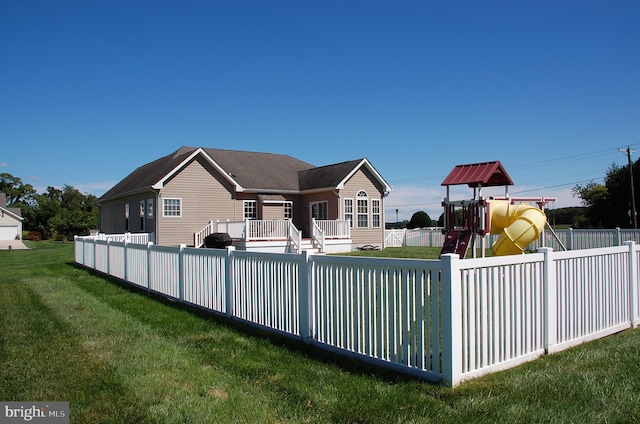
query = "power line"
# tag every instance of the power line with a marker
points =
(513, 192)
(533, 164)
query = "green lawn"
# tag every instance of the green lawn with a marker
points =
(117, 355)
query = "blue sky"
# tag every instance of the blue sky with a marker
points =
(90, 90)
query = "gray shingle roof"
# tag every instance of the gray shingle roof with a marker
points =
(326, 176)
(266, 171)
(251, 170)
(147, 175)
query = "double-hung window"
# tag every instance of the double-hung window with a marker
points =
(142, 211)
(362, 209)
(348, 211)
(375, 213)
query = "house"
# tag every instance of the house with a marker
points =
(10, 223)
(254, 197)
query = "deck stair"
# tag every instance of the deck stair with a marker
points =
(311, 246)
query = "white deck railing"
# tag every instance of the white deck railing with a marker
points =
(275, 229)
(317, 234)
(198, 238)
(444, 320)
(140, 238)
(336, 228)
(295, 236)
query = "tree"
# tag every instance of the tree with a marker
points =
(609, 205)
(574, 216)
(595, 198)
(18, 193)
(77, 215)
(420, 219)
(49, 205)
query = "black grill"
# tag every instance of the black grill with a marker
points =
(217, 241)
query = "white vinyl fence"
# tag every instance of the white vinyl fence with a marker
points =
(444, 320)
(567, 239)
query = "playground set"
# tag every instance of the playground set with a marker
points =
(514, 218)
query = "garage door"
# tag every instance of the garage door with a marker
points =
(8, 232)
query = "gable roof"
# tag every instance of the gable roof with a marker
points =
(337, 175)
(485, 174)
(247, 171)
(15, 213)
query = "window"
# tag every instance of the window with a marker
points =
(288, 210)
(126, 217)
(250, 209)
(375, 213)
(172, 208)
(142, 212)
(149, 208)
(362, 209)
(348, 211)
(319, 210)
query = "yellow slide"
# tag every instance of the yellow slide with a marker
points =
(519, 225)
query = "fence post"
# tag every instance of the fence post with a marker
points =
(181, 272)
(633, 284)
(229, 281)
(149, 266)
(570, 239)
(451, 319)
(124, 262)
(618, 237)
(305, 301)
(550, 309)
(94, 254)
(108, 258)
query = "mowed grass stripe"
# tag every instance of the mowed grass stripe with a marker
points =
(118, 355)
(90, 338)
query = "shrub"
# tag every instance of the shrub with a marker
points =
(34, 236)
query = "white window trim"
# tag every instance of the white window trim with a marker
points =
(348, 211)
(366, 213)
(164, 210)
(255, 209)
(376, 204)
(287, 206)
(149, 208)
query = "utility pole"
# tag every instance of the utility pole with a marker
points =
(628, 151)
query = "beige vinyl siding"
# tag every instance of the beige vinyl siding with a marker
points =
(204, 196)
(363, 180)
(272, 211)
